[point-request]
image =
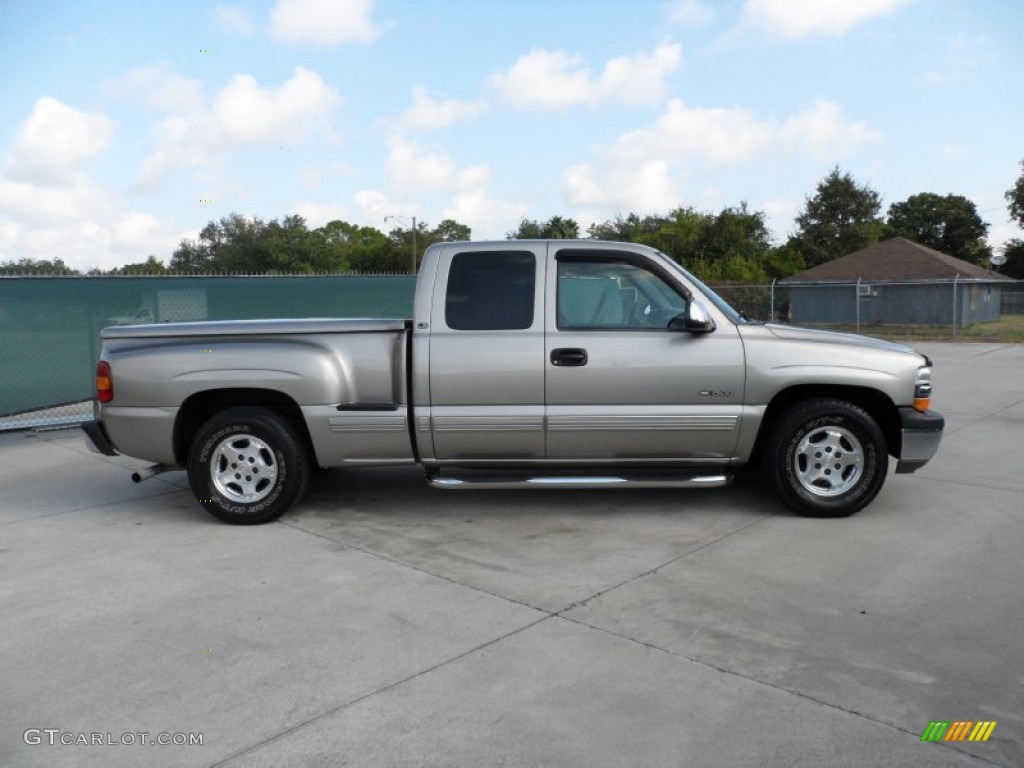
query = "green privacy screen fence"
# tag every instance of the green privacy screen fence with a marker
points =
(50, 326)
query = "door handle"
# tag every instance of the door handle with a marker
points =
(569, 356)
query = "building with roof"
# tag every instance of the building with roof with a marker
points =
(895, 282)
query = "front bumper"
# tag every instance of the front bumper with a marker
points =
(98, 441)
(920, 438)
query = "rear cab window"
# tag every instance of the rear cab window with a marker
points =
(491, 291)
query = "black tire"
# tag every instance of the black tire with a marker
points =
(256, 440)
(826, 458)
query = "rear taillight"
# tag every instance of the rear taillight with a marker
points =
(104, 382)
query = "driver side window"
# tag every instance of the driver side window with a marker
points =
(613, 295)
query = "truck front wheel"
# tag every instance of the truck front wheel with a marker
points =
(246, 466)
(827, 458)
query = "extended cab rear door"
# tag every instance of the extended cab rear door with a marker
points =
(486, 352)
(620, 385)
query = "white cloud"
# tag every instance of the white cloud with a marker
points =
(136, 229)
(243, 113)
(233, 20)
(157, 85)
(821, 129)
(795, 19)
(323, 22)
(412, 170)
(690, 12)
(416, 174)
(1001, 232)
(554, 79)
(644, 169)
(55, 139)
(80, 223)
(426, 113)
(486, 217)
(781, 208)
(715, 134)
(376, 206)
(641, 188)
(961, 60)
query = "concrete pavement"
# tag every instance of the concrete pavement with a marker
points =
(382, 623)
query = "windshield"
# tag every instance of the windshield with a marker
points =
(711, 296)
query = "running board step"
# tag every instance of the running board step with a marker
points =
(618, 480)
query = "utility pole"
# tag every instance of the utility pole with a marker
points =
(403, 219)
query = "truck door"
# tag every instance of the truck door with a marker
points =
(620, 385)
(487, 353)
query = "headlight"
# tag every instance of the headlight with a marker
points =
(923, 389)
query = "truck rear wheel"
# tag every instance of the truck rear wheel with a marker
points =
(246, 466)
(827, 458)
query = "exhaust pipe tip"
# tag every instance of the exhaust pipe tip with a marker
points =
(144, 474)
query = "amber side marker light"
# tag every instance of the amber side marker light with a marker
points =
(923, 389)
(104, 382)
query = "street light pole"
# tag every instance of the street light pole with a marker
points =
(403, 219)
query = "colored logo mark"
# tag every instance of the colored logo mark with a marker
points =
(958, 730)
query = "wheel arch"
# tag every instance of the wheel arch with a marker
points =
(877, 404)
(201, 406)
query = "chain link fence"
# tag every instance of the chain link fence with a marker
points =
(940, 310)
(50, 326)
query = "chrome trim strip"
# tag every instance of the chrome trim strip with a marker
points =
(635, 422)
(363, 423)
(520, 423)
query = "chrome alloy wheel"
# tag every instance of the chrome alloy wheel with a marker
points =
(243, 468)
(828, 461)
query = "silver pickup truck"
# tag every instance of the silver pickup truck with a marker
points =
(542, 364)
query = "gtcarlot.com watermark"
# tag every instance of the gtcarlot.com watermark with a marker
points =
(55, 736)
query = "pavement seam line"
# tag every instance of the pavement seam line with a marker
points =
(417, 568)
(986, 486)
(994, 349)
(1005, 408)
(655, 569)
(87, 508)
(384, 689)
(773, 686)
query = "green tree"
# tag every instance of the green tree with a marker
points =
(733, 244)
(1015, 199)
(841, 217)
(620, 229)
(450, 231)
(556, 228)
(36, 267)
(529, 229)
(190, 257)
(1014, 253)
(404, 244)
(151, 266)
(783, 261)
(949, 223)
(234, 244)
(290, 247)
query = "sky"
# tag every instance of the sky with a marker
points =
(127, 126)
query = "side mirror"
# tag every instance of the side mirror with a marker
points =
(694, 319)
